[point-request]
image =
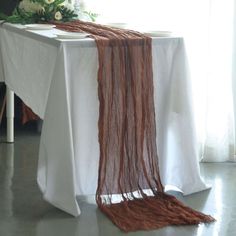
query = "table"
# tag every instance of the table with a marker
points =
(57, 79)
(9, 105)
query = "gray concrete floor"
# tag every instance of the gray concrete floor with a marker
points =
(23, 212)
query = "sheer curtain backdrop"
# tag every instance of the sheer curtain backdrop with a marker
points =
(208, 27)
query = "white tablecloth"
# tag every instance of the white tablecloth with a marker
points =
(57, 79)
(1, 65)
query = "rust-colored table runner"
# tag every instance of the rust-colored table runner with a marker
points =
(28, 114)
(127, 134)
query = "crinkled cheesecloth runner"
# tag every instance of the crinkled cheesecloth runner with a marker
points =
(129, 188)
(28, 114)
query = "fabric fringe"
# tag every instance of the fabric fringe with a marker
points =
(152, 213)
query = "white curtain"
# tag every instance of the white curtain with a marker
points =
(219, 130)
(208, 27)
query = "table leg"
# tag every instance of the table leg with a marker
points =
(10, 116)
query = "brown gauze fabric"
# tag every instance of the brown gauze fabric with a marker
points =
(129, 188)
(28, 114)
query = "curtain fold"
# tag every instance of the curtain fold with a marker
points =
(234, 75)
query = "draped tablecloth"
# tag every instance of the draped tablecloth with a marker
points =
(58, 80)
(1, 66)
